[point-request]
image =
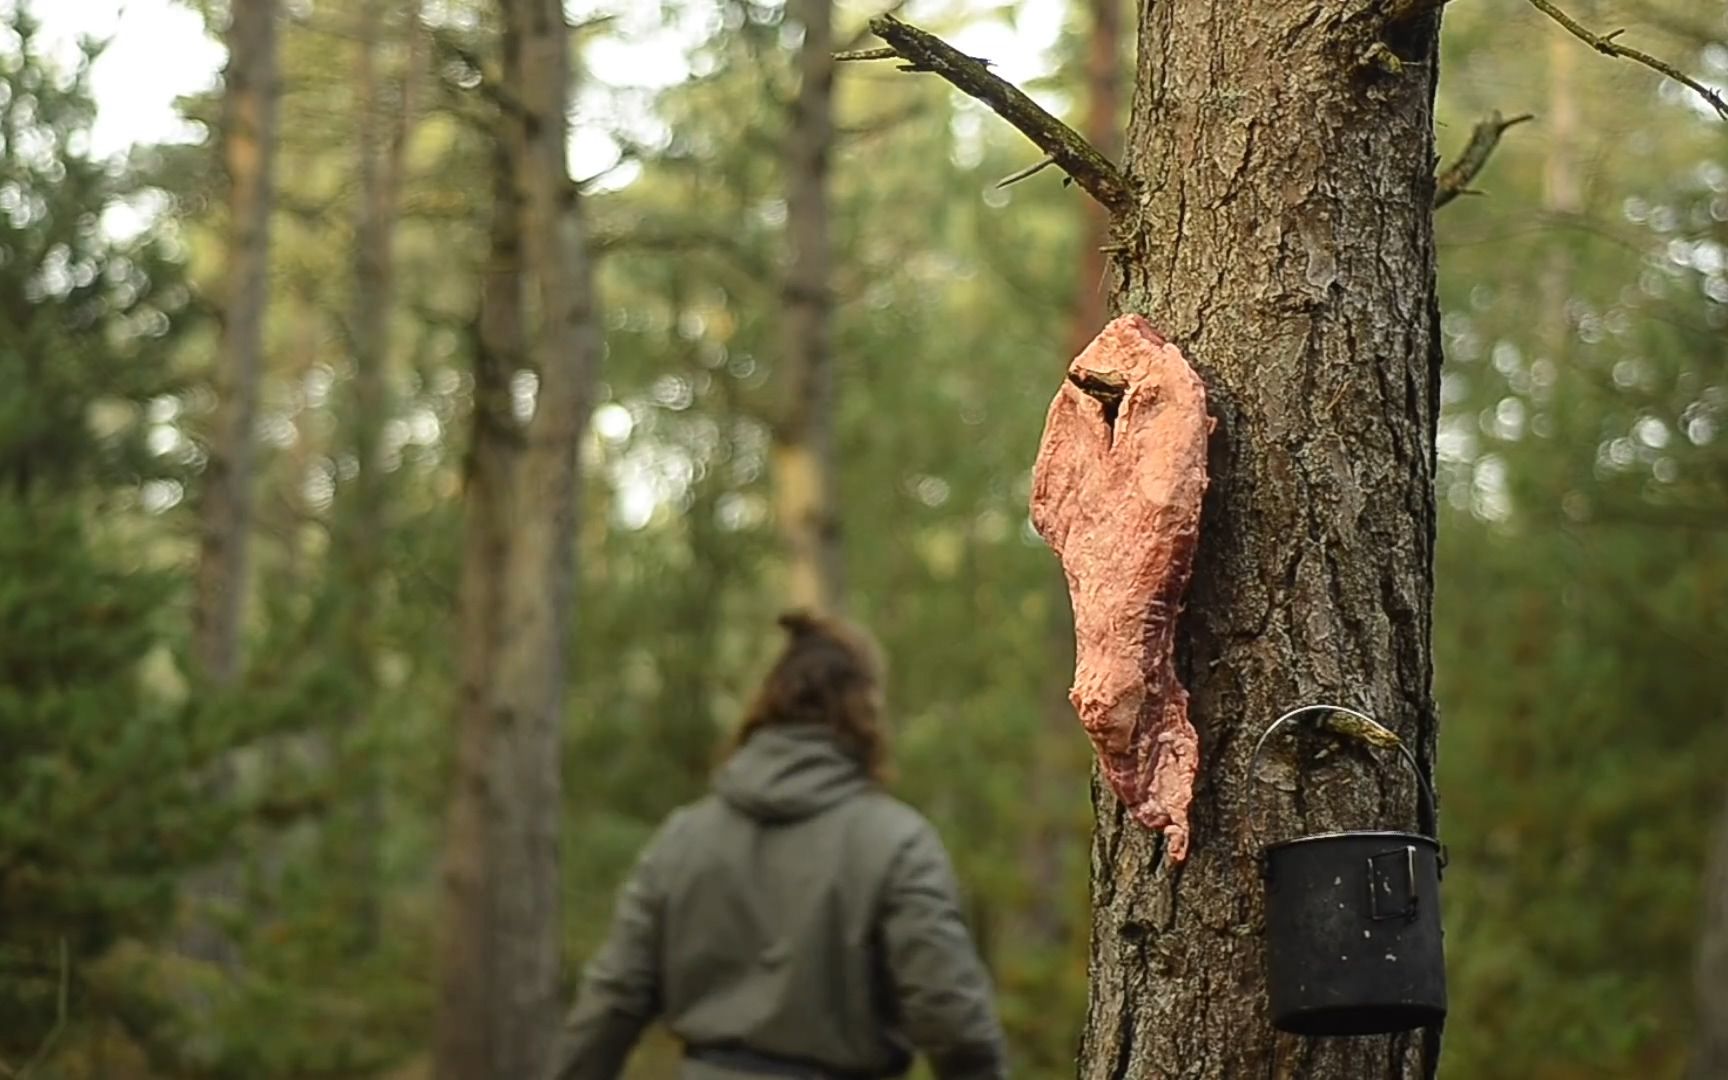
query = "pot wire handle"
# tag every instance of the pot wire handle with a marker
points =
(1363, 728)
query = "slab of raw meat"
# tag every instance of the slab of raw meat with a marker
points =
(1116, 494)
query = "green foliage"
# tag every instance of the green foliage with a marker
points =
(102, 809)
(1578, 619)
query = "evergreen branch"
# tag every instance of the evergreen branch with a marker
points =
(924, 51)
(60, 1008)
(886, 122)
(679, 238)
(1454, 179)
(1605, 44)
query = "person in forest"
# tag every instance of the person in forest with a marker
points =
(798, 921)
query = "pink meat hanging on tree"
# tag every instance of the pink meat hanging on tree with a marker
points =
(1116, 494)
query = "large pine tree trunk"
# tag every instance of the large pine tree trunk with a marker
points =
(1284, 240)
(498, 1006)
(804, 501)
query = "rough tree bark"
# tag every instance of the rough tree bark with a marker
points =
(498, 1004)
(1281, 234)
(248, 137)
(804, 501)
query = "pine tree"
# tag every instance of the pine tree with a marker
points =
(100, 807)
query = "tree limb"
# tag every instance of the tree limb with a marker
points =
(450, 47)
(1605, 44)
(880, 124)
(1454, 179)
(924, 51)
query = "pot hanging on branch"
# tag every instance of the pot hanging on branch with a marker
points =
(1353, 938)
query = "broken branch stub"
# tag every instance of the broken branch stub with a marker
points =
(1116, 493)
(1454, 179)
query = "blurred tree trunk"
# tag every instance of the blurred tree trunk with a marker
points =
(1283, 237)
(1046, 919)
(804, 497)
(498, 1004)
(249, 102)
(1102, 129)
(386, 116)
(684, 719)
(468, 972)
(248, 152)
(1710, 1043)
(1562, 193)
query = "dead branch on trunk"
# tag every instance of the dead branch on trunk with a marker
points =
(1454, 179)
(1606, 45)
(1031, 170)
(883, 53)
(924, 51)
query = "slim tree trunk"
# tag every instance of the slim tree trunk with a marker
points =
(804, 499)
(1102, 129)
(248, 152)
(498, 1006)
(1283, 238)
(1562, 193)
(467, 974)
(385, 119)
(1710, 1041)
(225, 510)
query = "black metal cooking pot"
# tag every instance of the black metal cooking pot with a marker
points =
(1353, 940)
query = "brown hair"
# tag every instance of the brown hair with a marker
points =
(829, 672)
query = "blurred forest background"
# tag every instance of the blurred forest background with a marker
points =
(1582, 584)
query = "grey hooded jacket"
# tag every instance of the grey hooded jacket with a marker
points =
(798, 913)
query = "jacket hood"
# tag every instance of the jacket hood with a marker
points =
(789, 771)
